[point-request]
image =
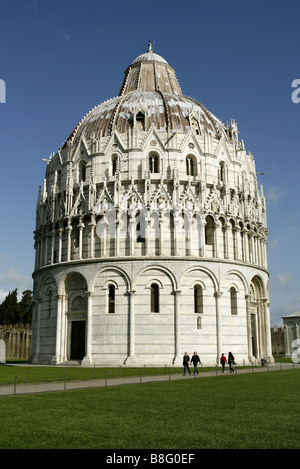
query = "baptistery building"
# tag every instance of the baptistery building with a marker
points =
(151, 234)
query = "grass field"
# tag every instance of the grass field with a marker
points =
(234, 411)
(46, 374)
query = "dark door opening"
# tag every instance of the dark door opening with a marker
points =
(253, 335)
(77, 340)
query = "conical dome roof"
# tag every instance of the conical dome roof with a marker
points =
(150, 72)
(149, 87)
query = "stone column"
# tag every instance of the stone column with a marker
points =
(246, 246)
(117, 236)
(57, 357)
(80, 227)
(37, 253)
(161, 232)
(46, 248)
(286, 340)
(218, 295)
(92, 224)
(226, 248)
(256, 249)
(258, 260)
(266, 329)
(251, 256)
(249, 332)
(88, 357)
(265, 254)
(104, 236)
(38, 330)
(297, 325)
(238, 243)
(177, 324)
(60, 231)
(69, 229)
(189, 234)
(131, 324)
(176, 234)
(147, 234)
(132, 232)
(203, 237)
(217, 239)
(260, 327)
(63, 326)
(52, 245)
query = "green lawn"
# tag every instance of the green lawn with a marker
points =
(44, 374)
(256, 410)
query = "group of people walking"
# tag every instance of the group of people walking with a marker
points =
(230, 362)
(195, 361)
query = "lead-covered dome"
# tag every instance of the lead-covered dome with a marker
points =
(150, 95)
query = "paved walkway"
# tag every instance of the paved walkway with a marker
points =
(19, 389)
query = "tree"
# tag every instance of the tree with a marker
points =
(9, 308)
(26, 307)
(14, 312)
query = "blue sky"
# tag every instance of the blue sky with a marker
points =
(59, 59)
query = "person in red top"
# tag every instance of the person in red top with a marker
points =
(223, 361)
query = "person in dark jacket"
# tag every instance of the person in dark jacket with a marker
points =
(231, 362)
(194, 361)
(186, 362)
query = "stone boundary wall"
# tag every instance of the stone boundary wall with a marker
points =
(17, 339)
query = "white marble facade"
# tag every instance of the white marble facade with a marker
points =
(150, 234)
(291, 330)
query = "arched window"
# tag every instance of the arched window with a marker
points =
(191, 166)
(222, 169)
(140, 121)
(233, 301)
(153, 163)
(209, 231)
(82, 171)
(195, 126)
(154, 298)
(199, 322)
(252, 293)
(140, 227)
(198, 299)
(76, 236)
(111, 298)
(115, 164)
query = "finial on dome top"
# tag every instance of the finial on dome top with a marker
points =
(150, 48)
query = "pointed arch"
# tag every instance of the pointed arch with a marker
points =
(82, 170)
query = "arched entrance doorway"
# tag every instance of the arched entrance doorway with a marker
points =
(76, 289)
(77, 340)
(256, 316)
